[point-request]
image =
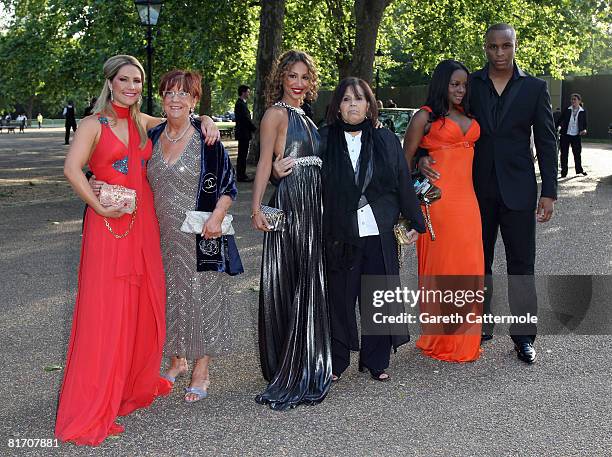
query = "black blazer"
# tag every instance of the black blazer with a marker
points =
(244, 125)
(398, 197)
(507, 147)
(565, 118)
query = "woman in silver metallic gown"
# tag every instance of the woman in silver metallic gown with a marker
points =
(294, 333)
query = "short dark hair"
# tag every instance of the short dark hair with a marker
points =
(242, 89)
(499, 26)
(334, 104)
(189, 81)
(437, 95)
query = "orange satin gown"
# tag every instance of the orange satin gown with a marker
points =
(457, 249)
(118, 328)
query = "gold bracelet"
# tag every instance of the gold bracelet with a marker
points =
(255, 213)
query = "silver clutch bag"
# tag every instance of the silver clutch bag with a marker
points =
(195, 220)
(275, 217)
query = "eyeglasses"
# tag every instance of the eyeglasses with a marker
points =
(179, 94)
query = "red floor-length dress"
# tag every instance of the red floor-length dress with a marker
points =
(457, 250)
(118, 327)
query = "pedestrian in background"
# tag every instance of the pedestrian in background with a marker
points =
(89, 110)
(244, 132)
(70, 123)
(39, 118)
(573, 125)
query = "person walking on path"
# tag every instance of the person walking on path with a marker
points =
(573, 125)
(244, 132)
(508, 103)
(70, 123)
(39, 118)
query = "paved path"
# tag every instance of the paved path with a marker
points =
(495, 406)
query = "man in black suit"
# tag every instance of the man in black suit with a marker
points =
(508, 103)
(244, 132)
(70, 123)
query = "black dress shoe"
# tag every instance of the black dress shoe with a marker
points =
(244, 179)
(583, 173)
(485, 337)
(525, 352)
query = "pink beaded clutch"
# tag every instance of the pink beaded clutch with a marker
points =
(118, 196)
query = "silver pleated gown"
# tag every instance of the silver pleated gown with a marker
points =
(294, 332)
(197, 314)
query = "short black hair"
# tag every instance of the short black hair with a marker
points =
(242, 89)
(500, 26)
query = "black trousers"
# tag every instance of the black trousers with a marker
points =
(243, 152)
(344, 287)
(69, 125)
(564, 144)
(517, 228)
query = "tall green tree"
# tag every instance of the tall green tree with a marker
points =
(31, 54)
(552, 34)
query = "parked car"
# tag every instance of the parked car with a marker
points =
(396, 119)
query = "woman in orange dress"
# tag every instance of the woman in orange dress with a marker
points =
(118, 327)
(454, 262)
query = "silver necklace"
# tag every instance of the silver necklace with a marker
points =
(177, 139)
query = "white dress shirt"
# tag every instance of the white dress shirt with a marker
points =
(572, 126)
(365, 217)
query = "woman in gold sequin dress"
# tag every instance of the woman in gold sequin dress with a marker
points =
(185, 174)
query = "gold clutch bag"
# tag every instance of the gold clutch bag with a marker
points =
(119, 196)
(401, 230)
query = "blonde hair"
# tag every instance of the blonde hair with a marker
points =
(274, 85)
(103, 105)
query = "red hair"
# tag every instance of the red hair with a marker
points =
(189, 81)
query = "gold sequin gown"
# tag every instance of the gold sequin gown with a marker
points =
(197, 313)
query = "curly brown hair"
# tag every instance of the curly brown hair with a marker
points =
(274, 84)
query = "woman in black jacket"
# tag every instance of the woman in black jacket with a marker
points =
(573, 124)
(366, 185)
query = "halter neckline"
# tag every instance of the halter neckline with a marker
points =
(293, 108)
(122, 111)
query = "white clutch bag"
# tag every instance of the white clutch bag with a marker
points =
(195, 220)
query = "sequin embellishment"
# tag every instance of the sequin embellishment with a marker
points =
(121, 165)
(309, 161)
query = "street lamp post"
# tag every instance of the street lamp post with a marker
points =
(149, 11)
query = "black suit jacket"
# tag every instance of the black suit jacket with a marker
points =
(565, 119)
(244, 124)
(507, 146)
